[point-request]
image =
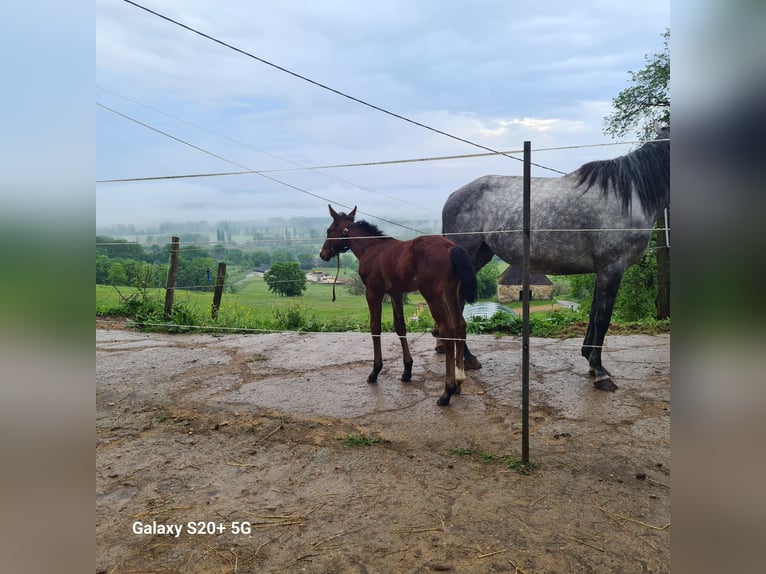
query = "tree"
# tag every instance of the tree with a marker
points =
(646, 100)
(285, 279)
(636, 299)
(117, 274)
(192, 271)
(261, 257)
(282, 255)
(636, 109)
(486, 281)
(356, 286)
(305, 260)
(349, 260)
(103, 265)
(114, 248)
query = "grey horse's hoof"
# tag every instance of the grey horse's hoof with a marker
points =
(605, 383)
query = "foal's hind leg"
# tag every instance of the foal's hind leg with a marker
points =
(460, 354)
(401, 330)
(447, 335)
(480, 255)
(451, 386)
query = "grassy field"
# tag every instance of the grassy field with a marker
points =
(254, 307)
(253, 304)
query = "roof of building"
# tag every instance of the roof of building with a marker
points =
(512, 276)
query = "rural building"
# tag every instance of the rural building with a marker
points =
(319, 277)
(509, 286)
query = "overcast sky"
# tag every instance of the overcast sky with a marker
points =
(494, 72)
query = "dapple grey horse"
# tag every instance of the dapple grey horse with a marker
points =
(597, 219)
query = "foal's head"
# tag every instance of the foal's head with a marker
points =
(337, 234)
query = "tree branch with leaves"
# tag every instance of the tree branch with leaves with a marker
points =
(637, 108)
(646, 100)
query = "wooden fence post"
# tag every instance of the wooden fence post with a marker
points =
(170, 284)
(219, 281)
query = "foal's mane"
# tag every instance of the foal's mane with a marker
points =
(647, 170)
(369, 229)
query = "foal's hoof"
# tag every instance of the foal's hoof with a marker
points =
(442, 402)
(406, 378)
(472, 363)
(605, 383)
(439, 348)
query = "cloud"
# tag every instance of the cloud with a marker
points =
(497, 74)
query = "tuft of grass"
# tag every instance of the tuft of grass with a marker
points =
(359, 440)
(488, 457)
(460, 451)
(515, 463)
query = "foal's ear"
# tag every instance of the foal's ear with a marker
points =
(353, 213)
(333, 213)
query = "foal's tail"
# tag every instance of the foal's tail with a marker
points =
(463, 269)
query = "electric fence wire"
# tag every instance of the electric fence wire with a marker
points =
(330, 89)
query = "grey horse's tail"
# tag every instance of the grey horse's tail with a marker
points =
(463, 270)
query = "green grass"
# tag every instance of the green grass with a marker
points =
(513, 463)
(253, 306)
(359, 440)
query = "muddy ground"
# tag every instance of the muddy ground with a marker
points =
(265, 430)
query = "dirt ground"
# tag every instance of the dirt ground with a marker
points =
(253, 440)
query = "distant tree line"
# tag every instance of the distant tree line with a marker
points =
(277, 228)
(121, 262)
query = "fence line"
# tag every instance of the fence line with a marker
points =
(360, 164)
(291, 162)
(415, 335)
(291, 186)
(455, 233)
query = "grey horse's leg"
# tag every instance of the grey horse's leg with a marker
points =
(604, 295)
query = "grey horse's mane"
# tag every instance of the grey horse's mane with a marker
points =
(647, 170)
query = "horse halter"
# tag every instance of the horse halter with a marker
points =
(339, 245)
(336, 251)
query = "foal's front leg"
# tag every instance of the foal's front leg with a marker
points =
(375, 305)
(401, 329)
